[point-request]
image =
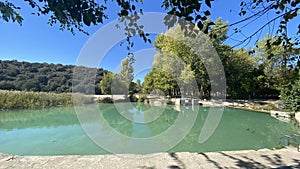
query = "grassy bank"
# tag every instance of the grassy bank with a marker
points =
(34, 100)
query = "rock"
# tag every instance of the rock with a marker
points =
(297, 117)
(280, 114)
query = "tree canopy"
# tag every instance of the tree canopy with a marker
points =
(256, 75)
(121, 82)
(105, 83)
(280, 65)
(46, 77)
(177, 64)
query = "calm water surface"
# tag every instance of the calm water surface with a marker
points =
(56, 131)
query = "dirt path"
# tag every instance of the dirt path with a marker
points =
(284, 158)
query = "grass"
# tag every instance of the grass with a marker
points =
(34, 100)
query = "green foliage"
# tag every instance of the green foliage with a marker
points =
(34, 100)
(70, 14)
(241, 70)
(8, 12)
(122, 83)
(247, 76)
(290, 97)
(46, 77)
(159, 80)
(139, 86)
(126, 72)
(6, 85)
(132, 91)
(281, 66)
(261, 75)
(142, 98)
(278, 147)
(105, 83)
(177, 64)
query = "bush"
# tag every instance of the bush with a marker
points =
(33, 100)
(141, 98)
(290, 97)
(105, 100)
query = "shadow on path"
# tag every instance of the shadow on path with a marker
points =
(180, 165)
(211, 161)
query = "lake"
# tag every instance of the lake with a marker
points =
(57, 131)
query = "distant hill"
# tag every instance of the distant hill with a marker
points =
(15, 75)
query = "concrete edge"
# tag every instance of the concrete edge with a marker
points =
(5, 155)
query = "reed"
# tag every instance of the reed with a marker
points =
(34, 100)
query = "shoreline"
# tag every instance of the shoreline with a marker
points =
(249, 109)
(263, 158)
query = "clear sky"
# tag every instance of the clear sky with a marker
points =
(36, 41)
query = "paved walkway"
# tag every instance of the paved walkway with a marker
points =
(284, 158)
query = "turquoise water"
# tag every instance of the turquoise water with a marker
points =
(56, 131)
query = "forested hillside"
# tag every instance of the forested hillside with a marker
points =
(46, 77)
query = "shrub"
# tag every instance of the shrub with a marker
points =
(141, 98)
(290, 97)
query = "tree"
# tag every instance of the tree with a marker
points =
(48, 77)
(72, 14)
(244, 75)
(157, 81)
(6, 85)
(139, 85)
(174, 56)
(187, 77)
(280, 65)
(126, 72)
(148, 82)
(241, 71)
(175, 43)
(105, 83)
(31, 85)
(291, 97)
(121, 82)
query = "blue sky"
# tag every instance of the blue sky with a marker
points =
(36, 41)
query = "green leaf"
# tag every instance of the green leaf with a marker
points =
(207, 13)
(281, 7)
(133, 7)
(86, 19)
(200, 25)
(85, 5)
(197, 17)
(207, 2)
(242, 13)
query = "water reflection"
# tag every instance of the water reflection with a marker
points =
(57, 130)
(38, 118)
